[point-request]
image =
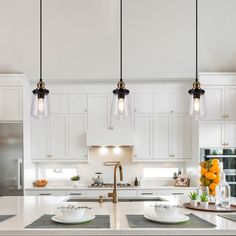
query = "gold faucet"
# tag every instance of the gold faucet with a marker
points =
(114, 193)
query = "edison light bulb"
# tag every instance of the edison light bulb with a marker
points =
(196, 104)
(40, 105)
(121, 104)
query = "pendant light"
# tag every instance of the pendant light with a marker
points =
(120, 101)
(197, 99)
(40, 106)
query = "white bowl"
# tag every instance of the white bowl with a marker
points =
(166, 211)
(72, 211)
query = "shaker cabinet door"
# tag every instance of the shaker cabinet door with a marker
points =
(229, 103)
(229, 139)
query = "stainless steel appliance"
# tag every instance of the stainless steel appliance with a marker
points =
(11, 159)
(228, 158)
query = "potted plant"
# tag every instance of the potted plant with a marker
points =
(193, 199)
(75, 180)
(204, 200)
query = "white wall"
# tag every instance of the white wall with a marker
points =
(82, 38)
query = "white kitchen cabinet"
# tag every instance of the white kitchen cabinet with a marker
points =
(167, 192)
(58, 137)
(229, 103)
(45, 192)
(157, 42)
(11, 103)
(143, 136)
(143, 102)
(96, 193)
(127, 193)
(229, 134)
(210, 134)
(77, 126)
(58, 103)
(162, 136)
(78, 103)
(98, 111)
(76, 193)
(39, 139)
(171, 101)
(146, 193)
(181, 136)
(214, 103)
(81, 40)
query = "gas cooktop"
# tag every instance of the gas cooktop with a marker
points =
(110, 185)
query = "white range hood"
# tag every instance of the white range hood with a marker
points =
(107, 137)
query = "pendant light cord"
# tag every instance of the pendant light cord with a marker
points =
(121, 37)
(41, 41)
(196, 40)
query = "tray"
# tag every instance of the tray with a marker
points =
(211, 208)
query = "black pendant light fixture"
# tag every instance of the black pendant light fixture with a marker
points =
(197, 100)
(40, 106)
(120, 102)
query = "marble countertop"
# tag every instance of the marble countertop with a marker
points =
(28, 209)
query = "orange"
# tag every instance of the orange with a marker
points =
(214, 169)
(203, 171)
(203, 164)
(217, 179)
(210, 175)
(212, 186)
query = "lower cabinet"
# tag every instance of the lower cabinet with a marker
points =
(45, 192)
(76, 193)
(146, 193)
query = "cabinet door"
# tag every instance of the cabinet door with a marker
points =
(229, 103)
(162, 136)
(171, 101)
(81, 39)
(78, 103)
(98, 111)
(210, 134)
(77, 137)
(143, 102)
(143, 137)
(58, 103)
(214, 102)
(58, 136)
(181, 131)
(229, 139)
(38, 139)
(158, 43)
(11, 110)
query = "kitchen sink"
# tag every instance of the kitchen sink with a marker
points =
(155, 199)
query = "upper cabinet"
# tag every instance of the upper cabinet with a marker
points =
(220, 102)
(159, 39)
(11, 103)
(81, 39)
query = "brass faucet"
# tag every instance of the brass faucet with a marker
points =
(114, 193)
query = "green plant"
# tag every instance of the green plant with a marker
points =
(75, 178)
(193, 195)
(204, 197)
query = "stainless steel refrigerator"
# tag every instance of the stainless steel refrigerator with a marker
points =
(11, 159)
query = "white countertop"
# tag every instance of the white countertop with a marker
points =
(28, 209)
(101, 188)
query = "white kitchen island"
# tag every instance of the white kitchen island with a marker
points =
(28, 209)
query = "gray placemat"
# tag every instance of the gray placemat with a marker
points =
(138, 221)
(229, 217)
(5, 217)
(45, 221)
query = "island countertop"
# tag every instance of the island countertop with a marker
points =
(28, 209)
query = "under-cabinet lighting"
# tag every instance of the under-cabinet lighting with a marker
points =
(103, 150)
(117, 150)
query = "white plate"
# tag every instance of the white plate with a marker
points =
(180, 219)
(85, 219)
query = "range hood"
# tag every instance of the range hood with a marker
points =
(107, 137)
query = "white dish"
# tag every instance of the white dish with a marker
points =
(178, 219)
(85, 219)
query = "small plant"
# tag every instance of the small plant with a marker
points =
(75, 178)
(193, 195)
(204, 197)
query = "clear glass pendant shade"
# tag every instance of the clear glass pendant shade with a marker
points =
(40, 107)
(197, 107)
(120, 108)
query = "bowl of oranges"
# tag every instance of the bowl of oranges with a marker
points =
(40, 183)
(210, 175)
